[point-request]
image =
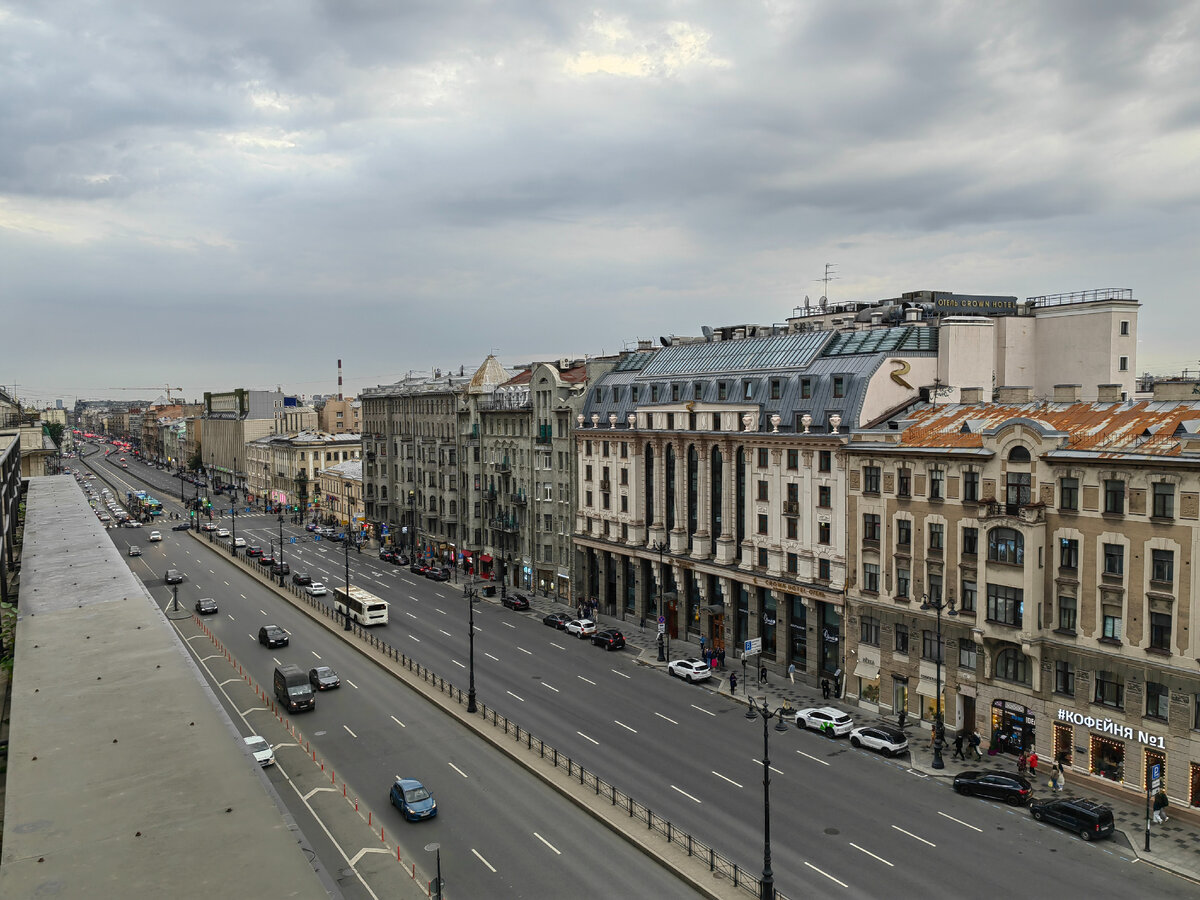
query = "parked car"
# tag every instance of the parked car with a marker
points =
(206, 606)
(995, 786)
(182, 526)
(401, 559)
(222, 532)
(323, 678)
(825, 719)
(241, 542)
(609, 639)
(515, 601)
(266, 559)
(418, 568)
(135, 550)
(438, 573)
(1087, 818)
(316, 589)
(174, 576)
(387, 554)
(581, 628)
(887, 740)
(689, 669)
(301, 578)
(258, 746)
(557, 620)
(282, 568)
(155, 536)
(412, 799)
(273, 636)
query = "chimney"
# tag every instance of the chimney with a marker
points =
(340, 397)
(1014, 394)
(1108, 393)
(1066, 393)
(970, 395)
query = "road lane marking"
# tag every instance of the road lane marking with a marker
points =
(911, 835)
(813, 758)
(262, 612)
(556, 690)
(352, 684)
(661, 716)
(417, 639)
(626, 727)
(489, 656)
(277, 662)
(442, 611)
(458, 770)
(398, 722)
(826, 874)
(243, 596)
(414, 598)
(586, 738)
(869, 853)
(446, 633)
(588, 680)
(615, 672)
(511, 694)
(510, 625)
(723, 778)
(559, 646)
(231, 618)
(703, 710)
(315, 653)
(410, 615)
(348, 731)
(484, 861)
(960, 822)
(547, 843)
(457, 663)
(758, 762)
(685, 793)
(227, 584)
(523, 650)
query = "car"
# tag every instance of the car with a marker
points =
(387, 554)
(1087, 818)
(266, 559)
(261, 750)
(222, 532)
(155, 536)
(174, 576)
(412, 799)
(401, 559)
(825, 719)
(438, 573)
(206, 605)
(131, 523)
(273, 636)
(887, 740)
(182, 526)
(994, 786)
(609, 639)
(104, 517)
(310, 527)
(211, 526)
(241, 542)
(301, 578)
(417, 567)
(581, 628)
(335, 536)
(515, 601)
(250, 551)
(316, 589)
(282, 568)
(323, 678)
(689, 669)
(557, 620)
(135, 550)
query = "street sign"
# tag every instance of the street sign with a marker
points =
(1155, 778)
(292, 541)
(662, 620)
(662, 627)
(753, 647)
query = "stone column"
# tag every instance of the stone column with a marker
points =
(726, 547)
(703, 539)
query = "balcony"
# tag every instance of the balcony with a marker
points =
(489, 494)
(519, 498)
(605, 484)
(504, 523)
(1030, 514)
(504, 467)
(791, 507)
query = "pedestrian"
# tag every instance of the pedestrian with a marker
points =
(825, 688)
(1060, 774)
(1160, 807)
(974, 741)
(712, 662)
(702, 641)
(642, 625)
(733, 682)
(792, 672)
(762, 674)
(1033, 761)
(1022, 763)
(902, 718)
(721, 657)
(958, 747)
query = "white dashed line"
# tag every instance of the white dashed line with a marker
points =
(588, 680)
(685, 793)
(489, 656)
(398, 722)
(826, 874)
(556, 690)
(911, 835)
(511, 694)
(869, 853)
(446, 633)
(523, 650)
(960, 822)
(626, 727)
(547, 843)
(417, 639)
(758, 762)
(586, 738)
(484, 861)
(703, 710)
(813, 758)
(352, 684)
(559, 646)
(510, 625)
(457, 663)
(615, 672)
(661, 716)
(723, 778)
(315, 653)
(348, 731)
(458, 770)
(410, 615)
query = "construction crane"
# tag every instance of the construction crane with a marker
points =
(168, 389)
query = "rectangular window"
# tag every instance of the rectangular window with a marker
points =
(1160, 631)
(937, 536)
(1124, 327)
(1110, 690)
(1164, 500)
(901, 638)
(868, 632)
(824, 532)
(675, 392)
(904, 483)
(870, 527)
(970, 596)
(825, 461)
(937, 478)
(1114, 559)
(1068, 493)
(1114, 497)
(762, 557)
(1158, 700)
(930, 648)
(793, 460)
(624, 503)
(903, 533)
(1068, 553)
(793, 528)
(793, 563)
(776, 388)
(1004, 604)
(871, 578)
(968, 655)
(1112, 627)
(903, 579)
(722, 390)
(1064, 678)
(824, 496)
(870, 479)
(762, 491)
(970, 486)
(762, 524)
(823, 568)
(1067, 611)
(970, 542)
(839, 386)
(1123, 363)
(654, 393)
(1163, 566)
(805, 388)
(697, 390)
(764, 458)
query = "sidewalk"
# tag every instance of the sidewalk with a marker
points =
(1175, 846)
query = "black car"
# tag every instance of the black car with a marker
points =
(1087, 818)
(609, 639)
(174, 576)
(387, 555)
(323, 678)
(206, 606)
(438, 573)
(266, 559)
(301, 578)
(995, 786)
(400, 559)
(182, 526)
(418, 568)
(282, 568)
(254, 551)
(515, 601)
(557, 620)
(273, 636)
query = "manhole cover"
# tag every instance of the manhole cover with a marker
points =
(833, 831)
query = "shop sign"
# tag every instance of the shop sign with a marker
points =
(1108, 726)
(830, 637)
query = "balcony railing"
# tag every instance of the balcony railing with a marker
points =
(1030, 514)
(503, 467)
(519, 498)
(791, 507)
(504, 523)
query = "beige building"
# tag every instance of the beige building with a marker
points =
(286, 469)
(1060, 537)
(340, 416)
(341, 492)
(231, 421)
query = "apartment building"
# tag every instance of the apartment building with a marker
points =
(233, 419)
(1059, 537)
(341, 492)
(286, 468)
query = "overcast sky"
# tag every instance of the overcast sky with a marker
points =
(228, 194)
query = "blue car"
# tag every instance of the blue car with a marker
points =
(412, 799)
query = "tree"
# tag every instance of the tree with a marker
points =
(195, 462)
(55, 430)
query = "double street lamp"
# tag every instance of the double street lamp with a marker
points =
(660, 548)
(939, 726)
(759, 708)
(472, 596)
(346, 550)
(282, 582)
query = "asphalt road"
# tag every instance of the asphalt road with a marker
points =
(844, 821)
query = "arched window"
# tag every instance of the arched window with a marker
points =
(1006, 545)
(1012, 665)
(1018, 454)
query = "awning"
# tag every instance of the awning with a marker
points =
(484, 558)
(466, 554)
(866, 670)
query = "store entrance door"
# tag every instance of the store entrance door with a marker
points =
(1012, 727)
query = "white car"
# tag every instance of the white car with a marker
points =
(155, 536)
(263, 754)
(239, 542)
(689, 669)
(316, 589)
(133, 523)
(825, 719)
(104, 517)
(209, 526)
(888, 740)
(222, 532)
(581, 628)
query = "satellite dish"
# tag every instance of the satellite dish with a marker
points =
(666, 342)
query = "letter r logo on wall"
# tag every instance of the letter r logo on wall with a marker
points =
(897, 374)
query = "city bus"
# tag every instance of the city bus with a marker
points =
(363, 606)
(152, 506)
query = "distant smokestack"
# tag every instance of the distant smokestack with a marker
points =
(340, 380)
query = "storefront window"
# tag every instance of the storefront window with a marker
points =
(1107, 758)
(1012, 727)
(868, 689)
(899, 694)
(798, 633)
(928, 709)
(830, 638)
(766, 601)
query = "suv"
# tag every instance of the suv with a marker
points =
(515, 601)
(253, 551)
(281, 568)
(609, 639)
(273, 636)
(174, 576)
(301, 578)
(825, 719)
(1087, 818)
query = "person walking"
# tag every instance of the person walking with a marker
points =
(733, 682)
(721, 657)
(792, 672)
(1060, 775)
(1033, 761)
(825, 688)
(702, 646)
(762, 674)
(1022, 763)
(1160, 807)
(973, 742)
(958, 747)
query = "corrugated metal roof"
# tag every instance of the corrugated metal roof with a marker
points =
(902, 339)
(781, 352)
(635, 361)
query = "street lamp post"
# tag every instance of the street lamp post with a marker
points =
(660, 548)
(762, 709)
(233, 518)
(346, 550)
(266, 486)
(412, 526)
(437, 848)
(472, 596)
(282, 582)
(939, 725)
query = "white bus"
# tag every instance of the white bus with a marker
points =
(363, 606)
